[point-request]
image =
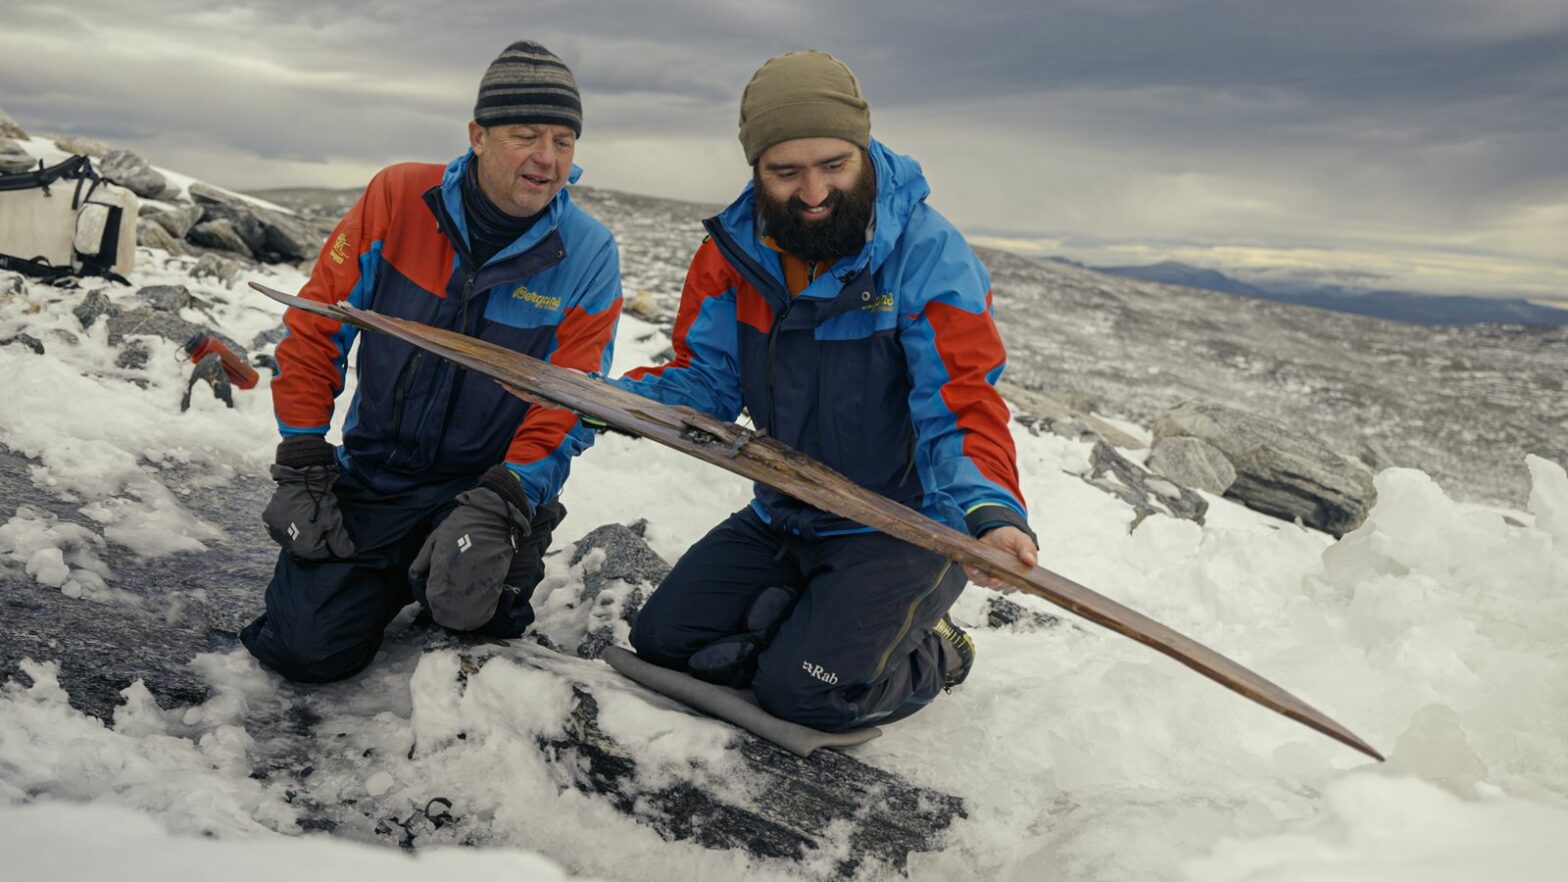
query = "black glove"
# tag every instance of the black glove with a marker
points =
(480, 565)
(303, 515)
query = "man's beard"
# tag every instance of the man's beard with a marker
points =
(841, 234)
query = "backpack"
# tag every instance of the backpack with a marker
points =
(66, 220)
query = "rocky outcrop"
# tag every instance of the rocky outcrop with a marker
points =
(169, 298)
(177, 220)
(222, 234)
(10, 128)
(208, 219)
(27, 340)
(1041, 413)
(155, 311)
(14, 159)
(150, 234)
(270, 337)
(269, 235)
(214, 266)
(81, 145)
(1146, 493)
(133, 356)
(288, 240)
(1278, 472)
(1009, 615)
(619, 572)
(95, 304)
(133, 173)
(1193, 462)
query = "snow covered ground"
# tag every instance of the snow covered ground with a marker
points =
(1436, 631)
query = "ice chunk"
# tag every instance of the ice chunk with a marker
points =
(1549, 499)
(47, 565)
(1435, 748)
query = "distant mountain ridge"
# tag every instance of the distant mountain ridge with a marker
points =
(1400, 306)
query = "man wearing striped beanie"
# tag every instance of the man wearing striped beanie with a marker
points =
(444, 489)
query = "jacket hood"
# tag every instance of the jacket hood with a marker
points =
(901, 186)
(452, 198)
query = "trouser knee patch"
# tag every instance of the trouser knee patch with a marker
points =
(768, 612)
(732, 660)
(728, 661)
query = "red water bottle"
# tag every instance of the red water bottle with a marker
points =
(239, 373)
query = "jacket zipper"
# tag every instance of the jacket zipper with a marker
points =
(773, 339)
(401, 394)
(913, 441)
(462, 306)
(909, 620)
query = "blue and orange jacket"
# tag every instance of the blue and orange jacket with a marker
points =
(884, 367)
(555, 294)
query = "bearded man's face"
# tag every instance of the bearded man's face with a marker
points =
(816, 197)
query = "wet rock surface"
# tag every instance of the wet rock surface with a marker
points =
(1147, 493)
(1193, 462)
(1278, 472)
(614, 591)
(184, 604)
(805, 806)
(173, 607)
(1008, 615)
(27, 340)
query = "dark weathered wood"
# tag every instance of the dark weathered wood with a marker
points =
(748, 453)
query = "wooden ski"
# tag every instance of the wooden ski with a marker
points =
(752, 455)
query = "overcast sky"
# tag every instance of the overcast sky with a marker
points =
(1409, 143)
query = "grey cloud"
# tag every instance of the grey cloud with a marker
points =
(1416, 118)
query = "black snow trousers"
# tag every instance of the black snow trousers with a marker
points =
(831, 632)
(324, 620)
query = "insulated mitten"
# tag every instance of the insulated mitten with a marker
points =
(303, 515)
(481, 563)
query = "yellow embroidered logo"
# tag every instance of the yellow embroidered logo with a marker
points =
(340, 249)
(540, 300)
(881, 304)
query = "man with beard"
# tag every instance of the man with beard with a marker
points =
(444, 490)
(853, 323)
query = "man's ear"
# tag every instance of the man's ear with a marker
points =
(476, 137)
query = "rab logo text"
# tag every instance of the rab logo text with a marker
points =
(540, 300)
(819, 673)
(340, 249)
(881, 304)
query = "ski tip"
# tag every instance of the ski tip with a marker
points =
(273, 293)
(1315, 719)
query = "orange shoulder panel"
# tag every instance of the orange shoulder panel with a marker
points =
(411, 242)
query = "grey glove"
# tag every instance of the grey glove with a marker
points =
(303, 515)
(463, 568)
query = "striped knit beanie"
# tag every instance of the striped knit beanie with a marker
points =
(527, 83)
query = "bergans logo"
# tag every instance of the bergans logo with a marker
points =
(881, 304)
(542, 301)
(340, 249)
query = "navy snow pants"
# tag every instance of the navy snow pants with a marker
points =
(324, 620)
(832, 632)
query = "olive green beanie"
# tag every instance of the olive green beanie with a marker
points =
(802, 95)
